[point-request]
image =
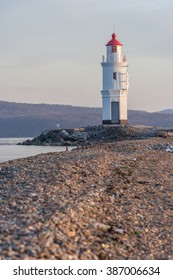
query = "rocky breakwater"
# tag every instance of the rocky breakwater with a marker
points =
(91, 135)
(110, 201)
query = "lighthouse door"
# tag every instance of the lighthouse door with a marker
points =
(115, 112)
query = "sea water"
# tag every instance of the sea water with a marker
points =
(9, 150)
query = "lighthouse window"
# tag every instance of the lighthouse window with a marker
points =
(114, 49)
(114, 75)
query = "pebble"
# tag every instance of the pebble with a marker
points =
(100, 226)
(118, 230)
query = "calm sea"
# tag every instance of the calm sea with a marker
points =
(9, 150)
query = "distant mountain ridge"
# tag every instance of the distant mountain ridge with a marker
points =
(166, 111)
(29, 120)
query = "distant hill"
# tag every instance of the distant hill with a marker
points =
(167, 111)
(25, 120)
(150, 119)
(29, 120)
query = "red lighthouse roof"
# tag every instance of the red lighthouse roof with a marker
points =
(113, 41)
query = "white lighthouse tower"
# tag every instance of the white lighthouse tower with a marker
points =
(115, 84)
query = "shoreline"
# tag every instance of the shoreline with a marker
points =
(13, 152)
(112, 201)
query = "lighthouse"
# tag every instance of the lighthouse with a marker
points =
(115, 84)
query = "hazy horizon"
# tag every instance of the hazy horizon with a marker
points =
(51, 50)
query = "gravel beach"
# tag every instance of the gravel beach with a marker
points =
(109, 201)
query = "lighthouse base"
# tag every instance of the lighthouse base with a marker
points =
(121, 122)
(107, 122)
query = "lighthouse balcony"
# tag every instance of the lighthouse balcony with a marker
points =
(112, 58)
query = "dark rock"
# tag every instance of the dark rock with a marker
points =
(91, 135)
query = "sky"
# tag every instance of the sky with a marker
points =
(51, 50)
